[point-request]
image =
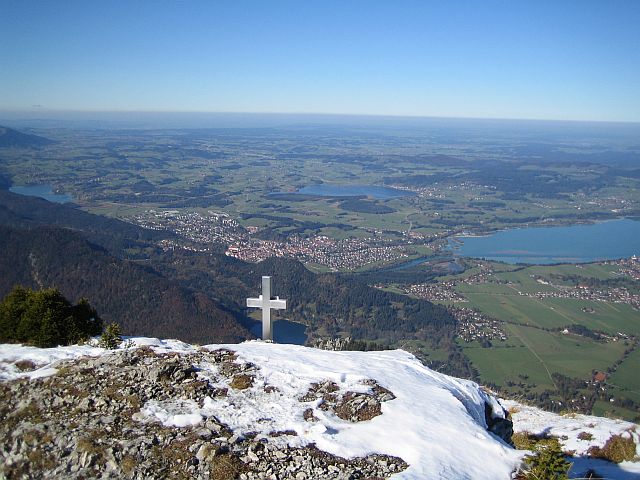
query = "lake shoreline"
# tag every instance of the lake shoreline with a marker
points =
(522, 244)
(45, 191)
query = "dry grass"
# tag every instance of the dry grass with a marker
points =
(146, 351)
(31, 437)
(92, 444)
(226, 467)
(619, 448)
(30, 413)
(529, 441)
(128, 464)
(133, 401)
(73, 391)
(25, 365)
(242, 381)
(40, 460)
(585, 436)
(114, 392)
(64, 370)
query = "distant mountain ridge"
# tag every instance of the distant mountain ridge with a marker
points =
(10, 138)
(25, 212)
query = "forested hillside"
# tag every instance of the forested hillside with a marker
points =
(116, 236)
(141, 300)
(10, 138)
(329, 303)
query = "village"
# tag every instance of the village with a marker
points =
(475, 326)
(347, 254)
(203, 228)
(215, 229)
(212, 229)
(435, 292)
(586, 292)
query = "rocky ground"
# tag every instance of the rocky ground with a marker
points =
(86, 422)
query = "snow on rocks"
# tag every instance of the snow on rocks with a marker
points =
(436, 423)
(259, 410)
(136, 413)
(17, 361)
(256, 409)
(568, 428)
(577, 433)
(20, 361)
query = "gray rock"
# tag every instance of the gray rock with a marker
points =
(88, 427)
(204, 433)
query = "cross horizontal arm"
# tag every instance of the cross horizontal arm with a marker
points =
(278, 304)
(254, 302)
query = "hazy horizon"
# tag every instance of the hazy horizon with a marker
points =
(293, 118)
(578, 61)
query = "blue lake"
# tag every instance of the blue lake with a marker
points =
(326, 190)
(42, 191)
(545, 245)
(284, 331)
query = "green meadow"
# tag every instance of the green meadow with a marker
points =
(537, 354)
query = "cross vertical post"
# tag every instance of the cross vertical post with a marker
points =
(266, 302)
(267, 331)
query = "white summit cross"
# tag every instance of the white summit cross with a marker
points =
(266, 302)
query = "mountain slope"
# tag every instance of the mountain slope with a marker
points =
(329, 304)
(141, 300)
(10, 138)
(25, 212)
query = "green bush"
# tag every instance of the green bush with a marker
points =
(548, 462)
(45, 318)
(111, 338)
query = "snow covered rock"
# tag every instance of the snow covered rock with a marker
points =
(252, 410)
(579, 434)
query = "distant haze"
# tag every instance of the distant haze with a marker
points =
(217, 120)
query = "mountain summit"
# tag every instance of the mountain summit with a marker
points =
(167, 409)
(261, 405)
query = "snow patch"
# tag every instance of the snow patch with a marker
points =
(534, 420)
(43, 358)
(172, 413)
(436, 423)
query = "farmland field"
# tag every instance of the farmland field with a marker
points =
(537, 354)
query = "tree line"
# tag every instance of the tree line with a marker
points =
(45, 318)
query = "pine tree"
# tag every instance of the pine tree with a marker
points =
(45, 318)
(111, 338)
(12, 308)
(548, 463)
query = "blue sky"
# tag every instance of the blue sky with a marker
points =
(563, 60)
